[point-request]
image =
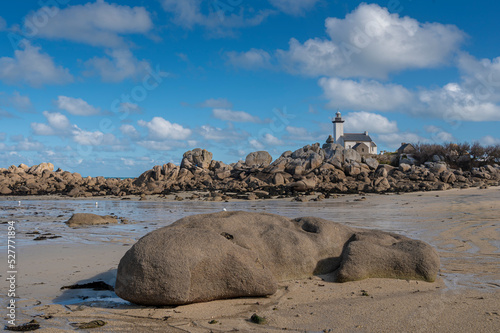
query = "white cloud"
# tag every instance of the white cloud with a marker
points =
(256, 144)
(303, 134)
(364, 95)
(220, 18)
(20, 102)
(96, 23)
(236, 116)
(481, 77)
(57, 124)
(438, 134)
(394, 140)
(229, 134)
(370, 122)
(120, 64)
(454, 103)
(294, 7)
(31, 66)
(96, 138)
(297, 131)
(22, 144)
(28, 144)
(271, 140)
(371, 42)
(253, 59)
(216, 103)
(6, 114)
(161, 129)
(128, 108)
(76, 106)
(489, 140)
(130, 131)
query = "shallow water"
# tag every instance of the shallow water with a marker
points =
(145, 216)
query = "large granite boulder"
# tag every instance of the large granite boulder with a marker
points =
(234, 254)
(258, 159)
(196, 158)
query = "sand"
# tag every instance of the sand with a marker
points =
(463, 225)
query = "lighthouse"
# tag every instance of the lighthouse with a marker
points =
(338, 129)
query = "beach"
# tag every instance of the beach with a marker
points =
(463, 226)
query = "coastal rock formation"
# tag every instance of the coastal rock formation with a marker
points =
(84, 219)
(196, 158)
(258, 159)
(328, 169)
(234, 254)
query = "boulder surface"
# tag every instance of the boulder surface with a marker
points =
(83, 219)
(241, 254)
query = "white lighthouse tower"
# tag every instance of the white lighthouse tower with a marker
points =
(338, 129)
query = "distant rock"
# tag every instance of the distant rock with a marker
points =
(240, 254)
(258, 159)
(196, 158)
(84, 219)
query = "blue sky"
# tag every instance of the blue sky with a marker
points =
(113, 88)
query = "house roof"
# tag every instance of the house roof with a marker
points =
(357, 137)
(405, 145)
(359, 144)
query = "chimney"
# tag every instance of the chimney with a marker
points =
(366, 133)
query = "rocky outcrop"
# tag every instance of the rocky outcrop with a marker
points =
(258, 159)
(234, 254)
(196, 158)
(85, 219)
(329, 169)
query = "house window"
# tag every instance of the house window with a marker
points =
(363, 150)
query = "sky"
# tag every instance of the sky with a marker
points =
(112, 88)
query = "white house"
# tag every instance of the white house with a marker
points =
(361, 142)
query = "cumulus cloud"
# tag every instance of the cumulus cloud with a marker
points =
(235, 116)
(31, 66)
(6, 114)
(454, 103)
(76, 106)
(364, 95)
(481, 77)
(22, 144)
(220, 18)
(57, 124)
(130, 131)
(294, 7)
(161, 129)
(96, 23)
(438, 134)
(93, 138)
(253, 59)
(271, 140)
(217, 134)
(17, 101)
(120, 64)
(394, 140)
(371, 122)
(489, 140)
(369, 42)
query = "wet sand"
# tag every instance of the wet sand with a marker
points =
(463, 225)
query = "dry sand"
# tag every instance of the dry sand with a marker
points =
(464, 226)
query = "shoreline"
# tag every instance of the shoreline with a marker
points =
(461, 224)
